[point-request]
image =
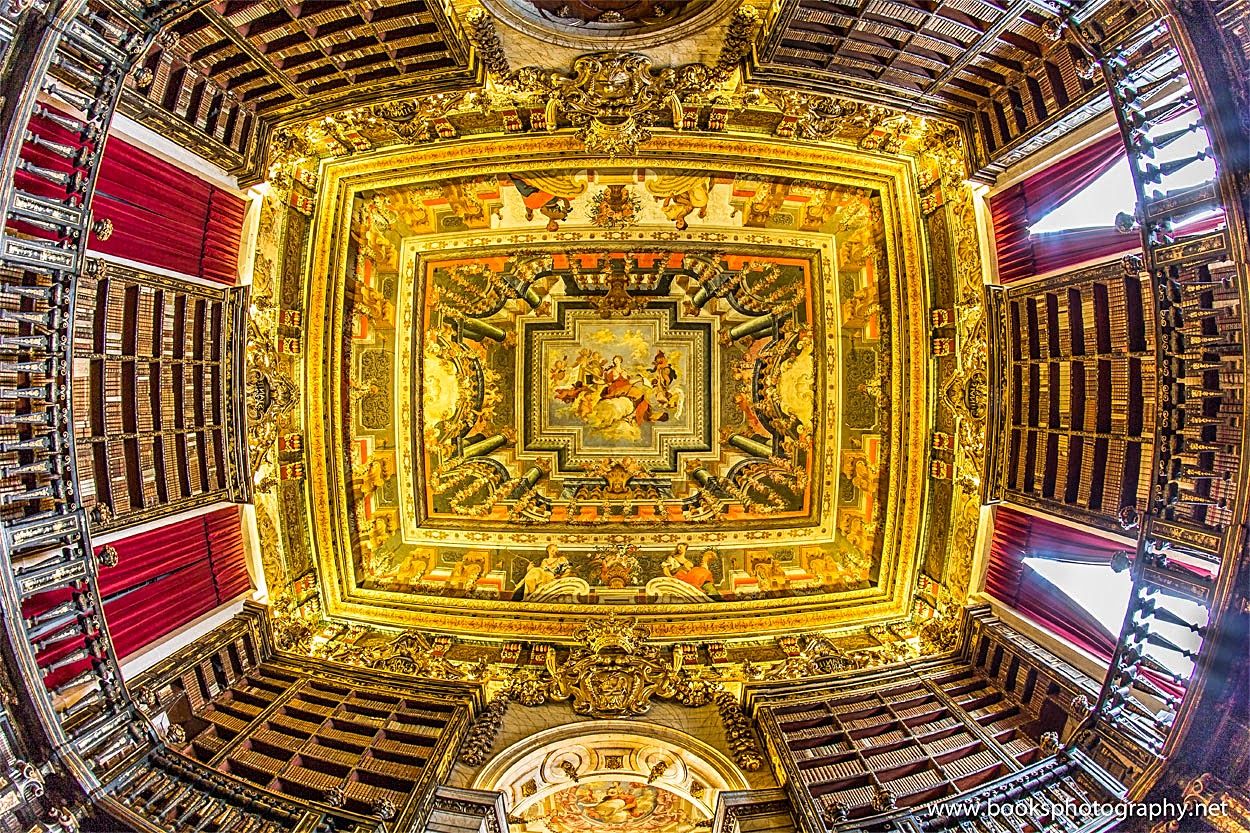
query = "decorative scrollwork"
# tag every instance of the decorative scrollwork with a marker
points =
(809, 116)
(939, 634)
(486, 40)
(408, 653)
(419, 119)
(27, 778)
(291, 633)
(481, 738)
(270, 392)
(614, 673)
(739, 732)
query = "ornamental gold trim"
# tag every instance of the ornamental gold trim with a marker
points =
(894, 177)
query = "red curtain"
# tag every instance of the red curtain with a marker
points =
(1057, 249)
(227, 556)
(1018, 536)
(161, 215)
(164, 579)
(1015, 209)
(223, 234)
(166, 217)
(167, 577)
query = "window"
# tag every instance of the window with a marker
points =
(1097, 204)
(1104, 594)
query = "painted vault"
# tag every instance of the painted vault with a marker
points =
(663, 385)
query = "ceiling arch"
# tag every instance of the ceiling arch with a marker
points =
(617, 755)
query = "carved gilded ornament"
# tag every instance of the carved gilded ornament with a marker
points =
(480, 740)
(293, 635)
(614, 673)
(611, 98)
(965, 392)
(270, 392)
(486, 41)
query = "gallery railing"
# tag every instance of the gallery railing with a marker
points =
(49, 570)
(1193, 230)
(67, 65)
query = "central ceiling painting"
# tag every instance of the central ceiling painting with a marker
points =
(603, 384)
(612, 355)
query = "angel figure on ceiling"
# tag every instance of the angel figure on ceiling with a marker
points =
(549, 195)
(681, 196)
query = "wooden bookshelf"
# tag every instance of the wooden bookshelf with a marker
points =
(1081, 380)
(308, 737)
(157, 363)
(924, 735)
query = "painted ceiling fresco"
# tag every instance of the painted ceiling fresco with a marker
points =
(611, 807)
(545, 365)
(611, 336)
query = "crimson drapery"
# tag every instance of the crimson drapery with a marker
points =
(224, 530)
(161, 215)
(166, 217)
(1021, 255)
(1018, 536)
(163, 579)
(167, 577)
(1056, 249)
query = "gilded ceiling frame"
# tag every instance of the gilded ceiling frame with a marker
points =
(895, 177)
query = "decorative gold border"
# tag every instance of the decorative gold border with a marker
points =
(893, 177)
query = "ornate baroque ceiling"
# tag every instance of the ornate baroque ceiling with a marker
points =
(619, 339)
